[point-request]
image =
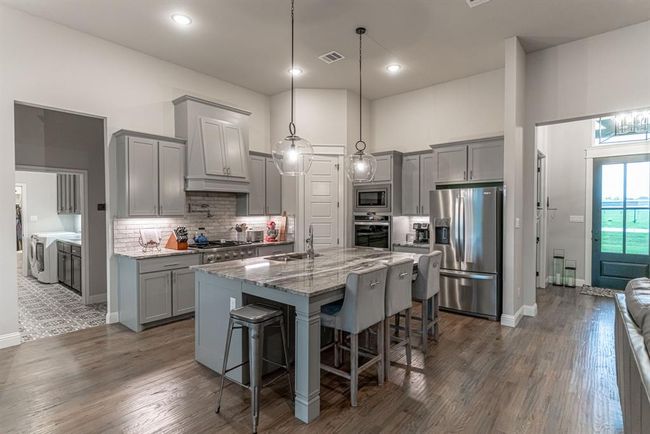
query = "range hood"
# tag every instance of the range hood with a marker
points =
(217, 144)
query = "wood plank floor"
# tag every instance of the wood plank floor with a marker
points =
(553, 374)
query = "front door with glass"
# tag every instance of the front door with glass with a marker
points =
(621, 220)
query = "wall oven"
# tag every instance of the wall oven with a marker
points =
(372, 198)
(372, 231)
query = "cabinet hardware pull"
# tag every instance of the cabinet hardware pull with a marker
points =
(171, 265)
(373, 284)
(465, 174)
(403, 275)
(471, 174)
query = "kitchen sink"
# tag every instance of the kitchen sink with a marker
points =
(285, 257)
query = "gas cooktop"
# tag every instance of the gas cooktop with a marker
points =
(217, 244)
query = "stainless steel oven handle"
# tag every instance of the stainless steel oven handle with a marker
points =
(371, 224)
(467, 275)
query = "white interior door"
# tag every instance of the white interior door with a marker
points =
(322, 200)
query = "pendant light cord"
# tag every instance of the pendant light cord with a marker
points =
(292, 125)
(360, 142)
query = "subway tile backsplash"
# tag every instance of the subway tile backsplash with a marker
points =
(220, 224)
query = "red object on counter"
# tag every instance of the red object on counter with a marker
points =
(271, 232)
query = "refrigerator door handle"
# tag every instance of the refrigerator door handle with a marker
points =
(457, 228)
(461, 241)
(467, 275)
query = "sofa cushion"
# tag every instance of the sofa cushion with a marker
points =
(637, 298)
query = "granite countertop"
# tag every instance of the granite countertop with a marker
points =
(137, 253)
(412, 244)
(306, 277)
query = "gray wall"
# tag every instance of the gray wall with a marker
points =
(57, 140)
(566, 174)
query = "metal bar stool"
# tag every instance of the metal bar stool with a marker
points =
(255, 318)
(398, 302)
(361, 308)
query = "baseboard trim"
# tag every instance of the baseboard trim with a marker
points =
(512, 320)
(10, 340)
(579, 282)
(112, 318)
(99, 298)
(530, 309)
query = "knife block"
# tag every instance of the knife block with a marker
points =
(174, 244)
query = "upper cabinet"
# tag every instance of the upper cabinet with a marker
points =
(468, 162)
(150, 175)
(217, 145)
(68, 193)
(417, 182)
(265, 197)
(384, 171)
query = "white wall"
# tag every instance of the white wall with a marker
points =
(41, 204)
(467, 108)
(564, 147)
(48, 64)
(602, 74)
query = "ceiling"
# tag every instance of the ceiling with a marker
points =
(246, 42)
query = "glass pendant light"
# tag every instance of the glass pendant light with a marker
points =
(360, 166)
(293, 154)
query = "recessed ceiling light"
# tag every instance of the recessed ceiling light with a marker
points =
(393, 67)
(181, 19)
(295, 71)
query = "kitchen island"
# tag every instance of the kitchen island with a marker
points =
(303, 284)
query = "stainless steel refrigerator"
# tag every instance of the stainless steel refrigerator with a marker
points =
(466, 226)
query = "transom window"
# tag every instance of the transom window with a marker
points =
(621, 128)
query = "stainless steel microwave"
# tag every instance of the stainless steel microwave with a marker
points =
(372, 198)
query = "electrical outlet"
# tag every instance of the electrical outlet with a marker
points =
(233, 303)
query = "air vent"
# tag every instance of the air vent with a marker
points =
(474, 3)
(331, 57)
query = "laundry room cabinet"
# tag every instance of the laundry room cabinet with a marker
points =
(68, 193)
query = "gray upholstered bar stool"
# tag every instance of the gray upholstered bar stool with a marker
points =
(255, 318)
(426, 289)
(398, 302)
(362, 308)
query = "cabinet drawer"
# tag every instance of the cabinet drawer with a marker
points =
(168, 263)
(64, 247)
(420, 250)
(274, 250)
(75, 250)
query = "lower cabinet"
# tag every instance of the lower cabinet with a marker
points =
(155, 289)
(69, 264)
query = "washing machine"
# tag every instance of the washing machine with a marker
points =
(43, 255)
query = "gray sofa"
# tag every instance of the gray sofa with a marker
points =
(632, 360)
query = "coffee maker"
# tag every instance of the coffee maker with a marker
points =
(421, 233)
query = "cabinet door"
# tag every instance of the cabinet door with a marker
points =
(256, 201)
(59, 193)
(76, 188)
(411, 185)
(384, 171)
(68, 269)
(273, 189)
(451, 163)
(171, 166)
(235, 151)
(183, 292)
(213, 155)
(76, 272)
(143, 177)
(485, 161)
(60, 256)
(426, 182)
(155, 295)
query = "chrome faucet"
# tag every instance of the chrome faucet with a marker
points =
(310, 243)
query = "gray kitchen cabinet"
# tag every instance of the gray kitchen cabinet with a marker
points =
(155, 296)
(69, 264)
(384, 171)
(171, 178)
(76, 272)
(469, 162)
(265, 196)
(68, 195)
(150, 175)
(151, 290)
(182, 292)
(451, 163)
(417, 181)
(411, 185)
(426, 181)
(142, 163)
(223, 148)
(273, 188)
(235, 152)
(485, 161)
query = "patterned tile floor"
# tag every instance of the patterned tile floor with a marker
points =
(52, 309)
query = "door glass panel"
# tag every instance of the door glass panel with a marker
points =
(612, 231)
(613, 194)
(637, 204)
(637, 241)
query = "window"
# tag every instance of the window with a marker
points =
(623, 127)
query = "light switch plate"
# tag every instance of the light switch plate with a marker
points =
(233, 303)
(517, 223)
(576, 219)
